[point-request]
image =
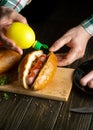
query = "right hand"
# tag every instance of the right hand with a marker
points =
(7, 17)
(76, 39)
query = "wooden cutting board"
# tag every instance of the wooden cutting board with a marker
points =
(58, 89)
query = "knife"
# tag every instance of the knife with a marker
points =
(85, 110)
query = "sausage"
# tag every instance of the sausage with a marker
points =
(33, 72)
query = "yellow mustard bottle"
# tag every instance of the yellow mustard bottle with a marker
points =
(24, 36)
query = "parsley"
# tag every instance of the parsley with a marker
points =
(6, 96)
(3, 80)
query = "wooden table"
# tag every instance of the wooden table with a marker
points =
(22, 112)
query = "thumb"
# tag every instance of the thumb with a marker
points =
(68, 58)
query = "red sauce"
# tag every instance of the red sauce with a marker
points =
(37, 66)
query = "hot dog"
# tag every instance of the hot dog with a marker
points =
(37, 69)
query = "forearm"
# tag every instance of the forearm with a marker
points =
(88, 25)
(17, 5)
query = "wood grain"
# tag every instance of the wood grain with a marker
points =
(58, 89)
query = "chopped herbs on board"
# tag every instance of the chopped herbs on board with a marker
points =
(3, 80)
(5, 96)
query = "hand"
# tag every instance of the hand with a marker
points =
(87, 80)
(7, 17)
(76, 39)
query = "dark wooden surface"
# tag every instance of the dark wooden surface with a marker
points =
(21, 112)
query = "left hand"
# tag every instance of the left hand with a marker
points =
(7, 17)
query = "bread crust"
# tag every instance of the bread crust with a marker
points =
(25, 65)
(47, 72)
(45, 75)
(8, 58)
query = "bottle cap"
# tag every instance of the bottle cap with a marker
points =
(37, 45)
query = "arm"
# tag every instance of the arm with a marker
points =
(76, 39)
(16, 5)
(88, 25)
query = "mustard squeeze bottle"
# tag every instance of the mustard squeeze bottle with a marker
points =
(24, 36)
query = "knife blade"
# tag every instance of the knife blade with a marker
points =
(85, 110)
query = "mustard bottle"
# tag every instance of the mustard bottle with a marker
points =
(24, 36)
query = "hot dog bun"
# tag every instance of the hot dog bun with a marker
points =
(8, 59)
(45, 74)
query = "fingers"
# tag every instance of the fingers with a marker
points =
(20, 18)
(17, 49)
(8, 43)
(67, 58)
(60, 43)
(12, 46)
(87, 80)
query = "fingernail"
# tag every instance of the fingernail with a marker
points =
(51, 48)
(21, 52)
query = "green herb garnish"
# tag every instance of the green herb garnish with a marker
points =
(3, 80)
(6, 96)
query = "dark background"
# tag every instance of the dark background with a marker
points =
(50, 19)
